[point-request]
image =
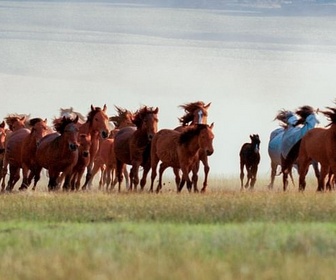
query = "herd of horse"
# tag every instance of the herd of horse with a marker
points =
(74, 144)
(299, 143)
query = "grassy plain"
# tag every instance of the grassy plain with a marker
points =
(223, 234)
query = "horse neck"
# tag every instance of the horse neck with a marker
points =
(193, 146)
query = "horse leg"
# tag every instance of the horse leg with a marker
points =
(241, 175)
(25, 181)
(254, 171)
(88, 176)
(162, 168)
(324, 172)
(194, 177)
(119, 174)
(145, 172)
(185, 175)
(273, 173)
(206, 173)
(177, 178)
(14, 176)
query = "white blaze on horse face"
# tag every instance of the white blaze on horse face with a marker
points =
(200, 116)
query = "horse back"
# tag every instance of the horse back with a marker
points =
(165, 146)
(313, 144)
(13, 150)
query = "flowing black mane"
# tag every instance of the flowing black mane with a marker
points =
(141, 114)
(123, 115)
(190, 109)
(331, 115)
(61, 123)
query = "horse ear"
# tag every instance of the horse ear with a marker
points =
(92, 108)
(207, 106)
(76, 119)
(156, 110)
(104, 108)
(2, 125)
(212, 125)
(45, 120)
(23, 119)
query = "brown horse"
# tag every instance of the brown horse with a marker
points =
(105, 159)
(58, 152)
(13, 146)
(319, 144)
(3, 133)
(196, 113)
(180, 150)
(83, 160)
(249, 158)
(38, 130)
(132, 145)
(98, 127)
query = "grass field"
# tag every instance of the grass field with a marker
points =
(223, 234)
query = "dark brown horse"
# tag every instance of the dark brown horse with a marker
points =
(319, 144)
(132, 145)
(58, 152)
(38, 130)
(249, 158)
(98, 127)
(180, 150)
(196, 113)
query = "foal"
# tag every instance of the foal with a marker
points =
(250, 158)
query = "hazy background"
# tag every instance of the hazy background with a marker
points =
(249, 60)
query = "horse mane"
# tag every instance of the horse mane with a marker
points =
(140, 115)
(191, 132)
(61, 123)
(34, 121)
(190, 108)
(303, 112)
(331, 115)
(283, 116)
(11, 118)
(123, 114)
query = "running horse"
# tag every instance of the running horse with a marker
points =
(38, 129)
(97, 126)
(105, 159)
(292, 136)
(319, 144)
(180, 150)
(13, 143)
(249, 158)
(58, 152)
(195, 113)
(132, 146)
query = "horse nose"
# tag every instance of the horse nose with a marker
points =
(73, 147)
(85, 154)
(209, 153)
(150, 137)
(104, 134)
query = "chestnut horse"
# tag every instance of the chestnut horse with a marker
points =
(98, 127)
(105, 159)
(196, 113)
(292, 136)
(84, 142)
(319, 144)
(132, 146)
(13, 144)
(249, 158)
(38, 130)
(180, 150)
(58, 152)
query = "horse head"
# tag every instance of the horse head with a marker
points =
(206, 138)
(84, 144)
(196, 113)
(124, 118)
(146, 119)
(39, 128)
(2, 137)
(99, 121)
(68, 129)
(15, 122)
(255, 141)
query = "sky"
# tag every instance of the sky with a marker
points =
(248, 62)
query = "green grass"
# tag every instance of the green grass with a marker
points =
(223, 234)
